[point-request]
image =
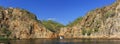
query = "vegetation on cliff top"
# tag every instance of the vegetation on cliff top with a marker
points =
(52, 25)
(76, 21)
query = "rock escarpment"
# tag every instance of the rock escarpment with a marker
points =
(99, 23)
(20, 24)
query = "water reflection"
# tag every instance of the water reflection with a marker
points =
(60, 41)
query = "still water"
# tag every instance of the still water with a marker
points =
(63, 41)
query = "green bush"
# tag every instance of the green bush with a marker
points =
(83, 31)
(2, 38)
(4, 30)
(52, 25)
(29, 14)
(88, 31)
(109, 14)
(96, 29)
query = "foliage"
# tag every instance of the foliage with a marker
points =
(52, 25)
(75, 21)
(5, 30)
(3, 38)
(29, 14)
(83, 31)
(89, 32)
(96, 29)
(109, 14)
(86, 31)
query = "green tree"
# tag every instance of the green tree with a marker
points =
(52, 25)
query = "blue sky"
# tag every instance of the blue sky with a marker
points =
(63, 11)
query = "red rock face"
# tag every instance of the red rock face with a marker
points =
(99, 23)
(21, 24)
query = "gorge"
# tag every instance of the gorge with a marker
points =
(18, 23)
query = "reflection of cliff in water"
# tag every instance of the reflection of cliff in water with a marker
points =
(61, 41)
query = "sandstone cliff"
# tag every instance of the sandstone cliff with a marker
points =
(99, 23)
(17, 23)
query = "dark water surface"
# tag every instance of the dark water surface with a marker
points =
(63, 41)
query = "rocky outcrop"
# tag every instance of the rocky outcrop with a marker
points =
(20, 24)
(99, 23)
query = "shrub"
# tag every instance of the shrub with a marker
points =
(29, 14)
(86, 31)
(5, 30)
(89, 32)
(52, 25)
(96, 29)
(109, 14)
(83, 31)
